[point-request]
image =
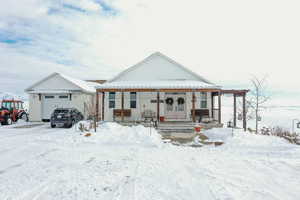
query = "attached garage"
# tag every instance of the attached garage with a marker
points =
(52, 101)
(60, 91)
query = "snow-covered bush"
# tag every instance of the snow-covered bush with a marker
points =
(110, 133)
(278, 131)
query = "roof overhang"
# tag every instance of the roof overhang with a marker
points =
(160, 90)
(54, 91)
(172, 85)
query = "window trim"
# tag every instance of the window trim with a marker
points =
(133, 100)
(111, 100)
(203, 99)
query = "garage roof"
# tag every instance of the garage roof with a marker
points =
(84, 86)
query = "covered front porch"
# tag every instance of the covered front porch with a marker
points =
(186, 108)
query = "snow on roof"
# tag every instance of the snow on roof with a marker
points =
(86, 86)
(173, 84)
(52, 91)
(156, 67)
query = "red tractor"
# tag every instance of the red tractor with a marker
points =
(11, 111)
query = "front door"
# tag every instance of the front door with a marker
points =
(175, 106)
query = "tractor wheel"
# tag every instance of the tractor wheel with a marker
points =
(24, 117)
(7, 121)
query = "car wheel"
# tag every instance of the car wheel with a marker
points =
(71, 124)
(53, 125)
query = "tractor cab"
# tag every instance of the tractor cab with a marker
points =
(12, 111)
(12, 105)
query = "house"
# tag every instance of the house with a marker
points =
(60, 91)
(164, 90)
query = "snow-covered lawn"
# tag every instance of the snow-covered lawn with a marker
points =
(127, 163)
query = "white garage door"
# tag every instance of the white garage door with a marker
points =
(51, 101)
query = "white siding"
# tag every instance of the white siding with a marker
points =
(34, 109)
(144, 103)
(83, 102)
(157, 68)
(56, 83)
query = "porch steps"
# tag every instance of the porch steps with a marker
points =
(176, 127)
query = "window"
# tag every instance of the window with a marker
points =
(112, 99)
(63, 97)
(203, 100)
(7, 105)
(132, 99)
(49, 97)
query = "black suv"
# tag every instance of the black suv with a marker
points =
(65, 117)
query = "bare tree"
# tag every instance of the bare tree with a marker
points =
(258, 97)
(249, 110)
(90, 111)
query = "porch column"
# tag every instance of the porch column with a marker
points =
(193, 107)
(97, 106)
(122, 106)
(158, 106)
(244, 112)
(219, 102)
(103, 101)
(234, 110)
(212, 105)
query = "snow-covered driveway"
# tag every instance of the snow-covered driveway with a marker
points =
(44, 163)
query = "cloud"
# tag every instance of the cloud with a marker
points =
(225, 41)
(28, 8)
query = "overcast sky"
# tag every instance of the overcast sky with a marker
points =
(225, 41)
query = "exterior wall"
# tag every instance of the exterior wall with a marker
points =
(35, 108)
(157, 67)
(83, 102)
(198, 102)
(144, 103)
(56, 83)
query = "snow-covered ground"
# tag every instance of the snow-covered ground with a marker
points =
(128, 163)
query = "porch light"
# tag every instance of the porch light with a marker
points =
(240, 117)
(229, 124)
(259, 118)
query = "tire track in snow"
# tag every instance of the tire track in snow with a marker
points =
(36, 192)
(23, 132)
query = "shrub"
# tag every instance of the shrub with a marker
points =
(278, 131)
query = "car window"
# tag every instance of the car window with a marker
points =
(60, 111)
